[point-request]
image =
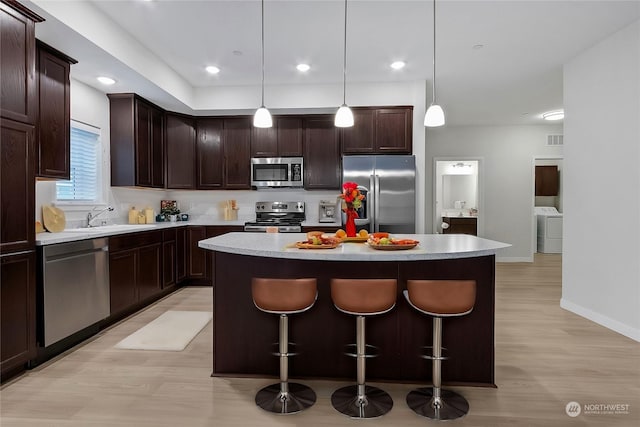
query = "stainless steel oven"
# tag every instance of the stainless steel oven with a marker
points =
(283, 217)
(277, 172)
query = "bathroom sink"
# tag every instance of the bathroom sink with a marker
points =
(110, 228)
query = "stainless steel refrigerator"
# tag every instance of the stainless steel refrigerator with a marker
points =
(389, 185)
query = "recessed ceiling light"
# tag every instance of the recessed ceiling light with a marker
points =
(212, 69)
(106, 80)
(398, 65)
(237, 53)
(478, 46)
(303, 67)
(553, 115)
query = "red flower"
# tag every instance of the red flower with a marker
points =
(351, 195)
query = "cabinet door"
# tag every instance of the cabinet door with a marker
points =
(17, 310)
(264, 141)
(547, 181)
(17, 186)
(18, 71)
(157, 148)
(237, 153)
(122, 279)
(181, 152)
(210, 156)
(143, 146)
(181, 254)
(322, 168)
(393, 130)
(149, 273)
(197, 256)
(359, 138)
(168, 264)
(289, 136)
(54, 128)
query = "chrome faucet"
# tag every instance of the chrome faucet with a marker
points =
(91, 217)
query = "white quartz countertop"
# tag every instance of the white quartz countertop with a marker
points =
(277, 245)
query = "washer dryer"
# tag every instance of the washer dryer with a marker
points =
(549, 225)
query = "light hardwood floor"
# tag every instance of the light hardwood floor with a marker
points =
(546, 357)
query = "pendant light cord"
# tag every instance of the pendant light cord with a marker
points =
(262, 53)
(344, 62)
(433, 86)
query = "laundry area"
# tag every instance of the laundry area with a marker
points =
(548, 205)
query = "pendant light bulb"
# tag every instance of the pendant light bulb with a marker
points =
(262, 118)
(434, 116)
(344, 117)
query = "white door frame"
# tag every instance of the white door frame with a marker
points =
(534, 224)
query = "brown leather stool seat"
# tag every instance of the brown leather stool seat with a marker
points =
(284, 297)
(439, 298)
(361, 298)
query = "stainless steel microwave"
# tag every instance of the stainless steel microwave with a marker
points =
(277, 172)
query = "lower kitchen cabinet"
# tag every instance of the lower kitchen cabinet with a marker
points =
(181, 254)
(17, 311)
(169, 258)
(461, 225)
(135, 272)
(200, 260)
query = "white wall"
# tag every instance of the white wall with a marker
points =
(601, 263)
(507, 153)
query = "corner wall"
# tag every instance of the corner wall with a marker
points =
(601, 266)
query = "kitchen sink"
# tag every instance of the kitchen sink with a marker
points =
(110, 228)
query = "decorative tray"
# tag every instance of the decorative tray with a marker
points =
(306, 245)
(392, 247)
(356, 239)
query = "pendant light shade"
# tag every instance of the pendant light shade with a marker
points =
(435, 114)
(262, 117)
(344, 116)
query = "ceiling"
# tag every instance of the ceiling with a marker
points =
(498, 62)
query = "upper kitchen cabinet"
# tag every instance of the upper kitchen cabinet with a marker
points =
(284, 139)
(379, 130)
(180, 148)
(137, 142)
(237, 153)
(322, 169)
(53, 133)
(18, 58)
(547, 181)
(210, 156)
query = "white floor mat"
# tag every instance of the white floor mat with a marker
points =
(172, 331)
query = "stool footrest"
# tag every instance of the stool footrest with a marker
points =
(277, 353)
(351, 350)
(431, 356)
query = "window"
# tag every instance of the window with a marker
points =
(84, 184)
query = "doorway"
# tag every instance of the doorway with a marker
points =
(547, 205)
(457, 192)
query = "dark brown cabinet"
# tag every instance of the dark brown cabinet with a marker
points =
(322, 161)
(53, 133)
(181, 151)
(237, 153)
(17, 311)
(169, 258)
(17, 186)
(379, 130)
(181, 254)
(17, 55)
(547, 181)
(210, 156)
(135, 272)
(137, 142)
(198, 268)
(461, 225)
(284, 139)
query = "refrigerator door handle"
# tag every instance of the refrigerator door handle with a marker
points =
(376, 207)
(371, 203)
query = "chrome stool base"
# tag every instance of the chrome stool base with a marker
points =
(298, 398)
(376, 402)
(452, 405)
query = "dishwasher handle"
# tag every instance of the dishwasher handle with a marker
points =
(75, 254)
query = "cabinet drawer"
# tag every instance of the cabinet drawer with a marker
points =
(130, 241)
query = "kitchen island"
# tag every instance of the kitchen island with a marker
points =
(243, 335)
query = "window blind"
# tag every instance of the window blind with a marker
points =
(83, 185)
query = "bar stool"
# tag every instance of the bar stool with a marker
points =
(284, 297)
(362, 298)
(439, 298)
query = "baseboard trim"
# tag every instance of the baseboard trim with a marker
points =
(515, 259)
(602, 320)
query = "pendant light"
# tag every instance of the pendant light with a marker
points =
(262, 117)
(344, 116)
(435, 115)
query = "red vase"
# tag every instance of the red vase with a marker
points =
(350, 226)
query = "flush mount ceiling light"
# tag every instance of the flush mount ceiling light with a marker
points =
(303, 68)
(553, 115)
(344, 116)
(212, 69)
(262, 117)
(106, 80)
(435, 114)
(398, 65)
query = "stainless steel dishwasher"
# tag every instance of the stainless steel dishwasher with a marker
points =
(75, 287)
